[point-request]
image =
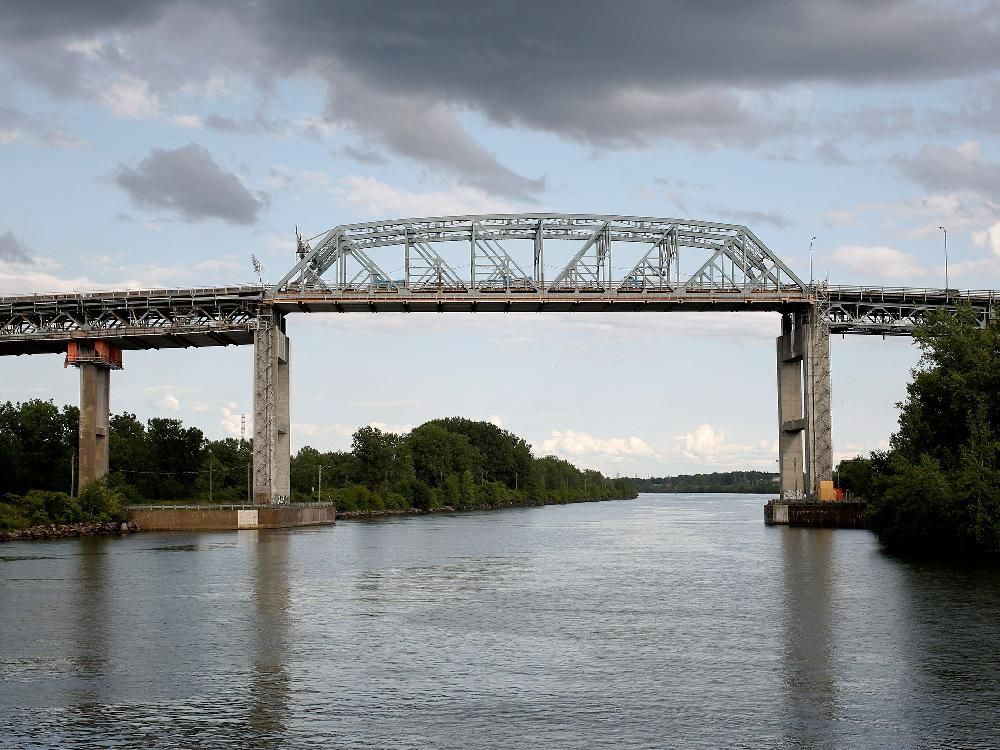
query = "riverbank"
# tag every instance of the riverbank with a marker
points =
(363, 514)
(146, 513)
(65, 531)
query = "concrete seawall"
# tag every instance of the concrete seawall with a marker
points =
(839, 515)
(223, 517)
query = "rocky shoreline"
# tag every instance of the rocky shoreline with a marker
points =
(63, 531)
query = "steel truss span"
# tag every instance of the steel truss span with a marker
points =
(675, 255)
(671, 265)
(149, 319)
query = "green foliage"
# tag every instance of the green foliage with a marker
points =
(444, 463)
(37, 442)
(937, 491)
(98, 502)
(719, 481)
(454, 462)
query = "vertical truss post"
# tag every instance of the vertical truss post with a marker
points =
(472, 257)
(271, 438)
(539, 256)
(819, 433)
(406, 260)
(791, 419)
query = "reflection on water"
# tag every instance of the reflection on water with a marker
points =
(89, 620)
(807, 638)
(670, 621)
(269, 688)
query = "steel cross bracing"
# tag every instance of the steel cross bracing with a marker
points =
(149, 319)
(716, 257)
(893, 311)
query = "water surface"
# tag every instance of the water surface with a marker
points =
(668, 621)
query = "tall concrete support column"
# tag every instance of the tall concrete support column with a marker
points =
(271, 438)
(95, 414)
(791, 416)
(819, 429)
(95, 359)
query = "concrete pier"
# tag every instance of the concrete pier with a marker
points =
(842, 515)
(271, 410)
(95, 415)
(95, 360)
(805, 439)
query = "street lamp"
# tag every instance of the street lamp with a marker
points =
(811, 260)
(946, 285)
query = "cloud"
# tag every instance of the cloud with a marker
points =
(963, 169)
(878, 261)
(428, 132)
(163, 398)
(372, 198)
(571, 444)
(707, 445)
(408, 77)
(131, 98)
(188, 181)
(362, 156)
(232, 421)
(16, 125)
(12, 250)
(703, 444)
(987, 238)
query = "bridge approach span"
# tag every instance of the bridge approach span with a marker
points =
(476, 264)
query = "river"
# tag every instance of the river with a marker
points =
(666, 621)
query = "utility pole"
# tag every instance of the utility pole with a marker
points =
(319, 492)
(72, 473)
(249, 496)
(210, 462)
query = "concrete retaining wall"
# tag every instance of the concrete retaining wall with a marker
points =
(838, 515)
(207, 517)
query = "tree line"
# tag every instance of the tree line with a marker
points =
(936, 490)
(451, 462)
(719, 481)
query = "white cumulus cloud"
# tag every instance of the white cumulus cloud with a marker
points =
(880, 261)
(570, 443)
(988, 238)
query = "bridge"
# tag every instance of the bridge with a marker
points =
(477, 264)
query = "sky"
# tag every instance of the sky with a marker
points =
(160, 144)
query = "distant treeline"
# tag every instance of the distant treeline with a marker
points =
(451, 462)
(721, 481)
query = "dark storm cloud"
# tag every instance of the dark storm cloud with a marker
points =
(29, 19)
(187, 180)
(943, 170)
(612, 75)
(12, 250)
(617, 73)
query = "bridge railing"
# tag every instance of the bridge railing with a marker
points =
(895, 293)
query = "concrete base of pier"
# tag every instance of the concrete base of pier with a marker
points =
(231, 517)
(841, 515)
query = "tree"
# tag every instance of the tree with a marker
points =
(937, 491)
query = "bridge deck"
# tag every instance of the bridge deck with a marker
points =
(224, 316)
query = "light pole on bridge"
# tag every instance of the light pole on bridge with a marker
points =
(811, 260)
(946, 285)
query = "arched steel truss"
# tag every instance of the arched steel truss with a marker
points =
(680, 255)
